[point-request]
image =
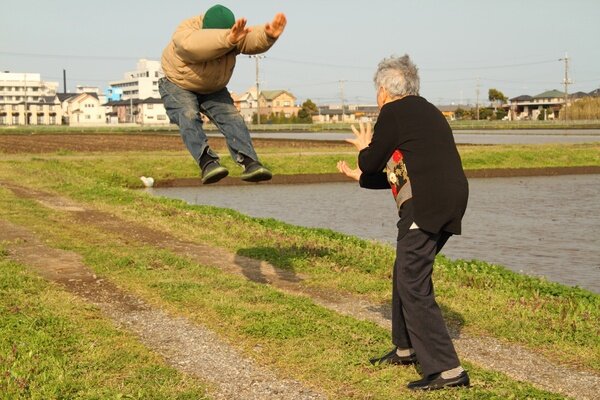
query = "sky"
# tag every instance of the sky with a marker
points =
(330, 48)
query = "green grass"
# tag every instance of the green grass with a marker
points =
(561, 322)
(54, 346)
(530, 156)
(324, 349)
(330, 127)
(124, 169)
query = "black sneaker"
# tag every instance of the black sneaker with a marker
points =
(395, 359)
(256, 172)
(213, 172)
(435, 382)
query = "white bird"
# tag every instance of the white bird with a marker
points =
(147, 180)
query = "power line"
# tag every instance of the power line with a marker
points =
(75, 56)
(488, 66)
(319, 64)
(346, 66)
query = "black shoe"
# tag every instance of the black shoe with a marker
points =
(256, 172)
(435, 381)
(395, 359)
(213, 172)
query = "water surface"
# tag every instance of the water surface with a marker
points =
(544, 226)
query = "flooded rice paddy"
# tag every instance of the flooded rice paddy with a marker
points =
(542, 226)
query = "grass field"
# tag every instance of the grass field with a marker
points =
(49, 339)
(54, 346)
(124, 169)
(329, 127)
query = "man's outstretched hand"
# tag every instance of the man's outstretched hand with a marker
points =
(275, 28)
(238, 31)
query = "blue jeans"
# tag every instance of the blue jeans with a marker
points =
(183, 108)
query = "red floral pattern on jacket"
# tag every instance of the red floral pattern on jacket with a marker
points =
(397, 176)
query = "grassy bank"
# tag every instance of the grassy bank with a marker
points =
(322, 348)
(54, 346)
(333, 127)
(124, 169)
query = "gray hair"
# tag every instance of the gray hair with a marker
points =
(398, 75)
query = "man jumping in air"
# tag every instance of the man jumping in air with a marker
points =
(198, 64)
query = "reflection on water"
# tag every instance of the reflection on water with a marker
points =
(545, 226)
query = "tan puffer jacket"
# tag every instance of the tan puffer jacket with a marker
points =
(202, 60)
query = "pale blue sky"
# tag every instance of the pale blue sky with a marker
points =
(511, 45)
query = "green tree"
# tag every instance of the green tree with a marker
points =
(462, 113)
(303, 115)
(486, 113)
(310, 107)
(500, 113)
(307, 111)
(496, 97)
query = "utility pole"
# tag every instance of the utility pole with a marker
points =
(256, 58)
(25, 97)
(566, 81)
(342, 98)
(477, 103)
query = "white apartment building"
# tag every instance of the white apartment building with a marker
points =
(24, 87)
(26, 99)
(141, 83)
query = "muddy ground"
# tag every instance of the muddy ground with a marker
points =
(35, 143)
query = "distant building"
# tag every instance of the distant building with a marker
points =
(277, 101)
(546, 104)
(45, 111)
(449, 111)
(82, 109)
(271, 102)
(595, 93)
(246, 103)
(150, 111)
(26, 99)
(141, 83)
(351, 113)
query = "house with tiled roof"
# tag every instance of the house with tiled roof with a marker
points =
(578, 95)
(547, 104)
(81, 109)
(149, 111)
(246, 103)
(277, 101)
(595, 93)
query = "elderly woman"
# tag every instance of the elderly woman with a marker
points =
(412, 150)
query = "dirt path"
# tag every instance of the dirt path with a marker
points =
(188, 347)
(513, 360)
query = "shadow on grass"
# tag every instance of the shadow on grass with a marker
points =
(283, 258)
(454, 320)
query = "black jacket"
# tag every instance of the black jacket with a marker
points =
(421, 133)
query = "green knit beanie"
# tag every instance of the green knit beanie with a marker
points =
(218, 17)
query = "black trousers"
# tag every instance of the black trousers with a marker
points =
(417, 321)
